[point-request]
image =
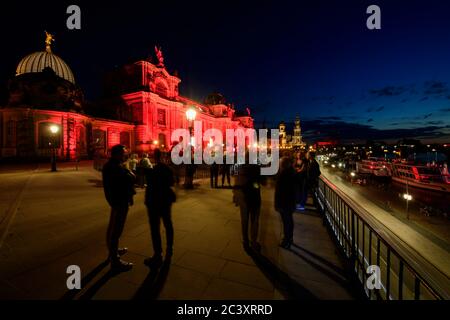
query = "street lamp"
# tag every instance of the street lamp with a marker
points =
(191, 113)
(352, 176)
(54, 129)
(408, 198)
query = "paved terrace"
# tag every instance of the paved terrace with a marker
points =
(49, 221)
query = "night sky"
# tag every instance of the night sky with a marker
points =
(316, 59)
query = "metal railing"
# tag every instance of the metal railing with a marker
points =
(364, 241)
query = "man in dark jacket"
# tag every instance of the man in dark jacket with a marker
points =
(214, 174)
(159, 197)
(118, 185)
(285, 198)
(312, 174)
(248, 197)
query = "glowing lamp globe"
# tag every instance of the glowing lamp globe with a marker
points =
(191, 114)
(54, 129)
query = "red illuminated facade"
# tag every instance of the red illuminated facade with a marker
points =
(141, 109)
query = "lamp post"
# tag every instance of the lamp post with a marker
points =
(54, 129)
(191, 113)
(408, 198)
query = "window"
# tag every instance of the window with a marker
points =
(81, 140)
(161, 117)
(162, 140)
(99, 139)
(11, 133)
(125, 138)
(137, 113)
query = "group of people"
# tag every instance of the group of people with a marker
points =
(138, 167)
(297, 176)
(119, 186)
(222, 169)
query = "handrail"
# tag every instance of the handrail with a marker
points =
(344, 216)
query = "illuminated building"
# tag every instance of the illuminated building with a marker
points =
(141, 110)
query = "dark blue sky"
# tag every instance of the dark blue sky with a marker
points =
(316, 59)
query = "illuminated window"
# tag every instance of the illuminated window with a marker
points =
(162, 140)
(99, 139)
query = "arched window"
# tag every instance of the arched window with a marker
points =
(81, 140)
(162, 140)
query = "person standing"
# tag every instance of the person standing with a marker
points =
(159, 197)
(300, 166)
(144, 164)
(214, 174)
(118, 186)
(225, 172)
(285, 198)
(133, 163)
(248, 196)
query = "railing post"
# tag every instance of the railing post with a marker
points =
(353, 255)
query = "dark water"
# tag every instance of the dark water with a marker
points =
(438, 202)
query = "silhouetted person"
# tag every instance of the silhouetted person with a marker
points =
(285, 196)
(159, 197)
(312, 174)
(214, 174)
(118, 184)
(143, 165)
(248, 197)
(301, 166)
(225, 172)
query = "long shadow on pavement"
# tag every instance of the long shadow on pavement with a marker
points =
(154, 282)
(90, 293)
(341, 276)
(324, 261)
(288, 287)
(71, 294)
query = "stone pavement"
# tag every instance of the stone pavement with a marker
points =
(60, 219)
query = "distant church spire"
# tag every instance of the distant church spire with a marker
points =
(49, 38)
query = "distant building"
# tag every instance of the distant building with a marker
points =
(140, 110)
(294, 141)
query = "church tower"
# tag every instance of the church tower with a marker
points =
(297, 137)
(282, 129)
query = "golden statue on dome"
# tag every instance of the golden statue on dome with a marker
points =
(49, 38)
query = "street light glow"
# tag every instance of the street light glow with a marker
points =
(191, 114)
(353, 174)
(54, 129)
(407, 197)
